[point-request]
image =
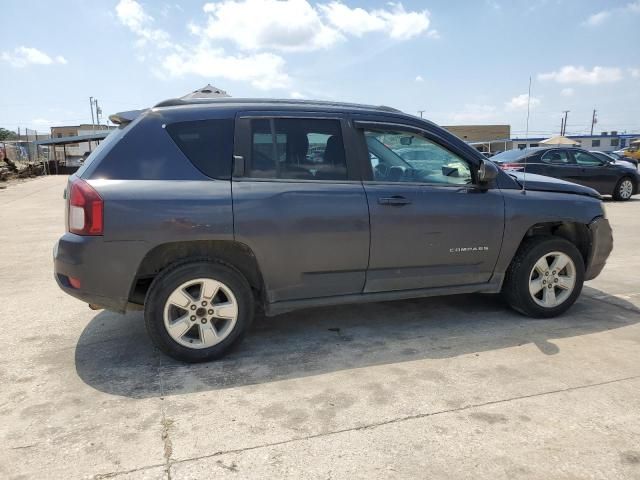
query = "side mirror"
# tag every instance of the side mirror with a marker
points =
(406, 141)
(487, 172)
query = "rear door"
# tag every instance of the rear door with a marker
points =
(299, 204)
(431, 226)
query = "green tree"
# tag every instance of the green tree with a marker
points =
(7, 134)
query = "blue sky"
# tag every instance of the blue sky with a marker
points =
(463, 62)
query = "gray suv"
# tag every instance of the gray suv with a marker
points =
(202, 211)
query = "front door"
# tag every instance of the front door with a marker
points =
(299, 205)
(431, 226)
(594, 173)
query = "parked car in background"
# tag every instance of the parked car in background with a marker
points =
(200, 211)
(610, 157)
(574, 165)
(632, 151)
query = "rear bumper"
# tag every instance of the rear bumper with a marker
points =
(601, 246)
(105, 270)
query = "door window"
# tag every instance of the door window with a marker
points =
(302, 149)
(556, 157)
(583, 158)
(407, 157)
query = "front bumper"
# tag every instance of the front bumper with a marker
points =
(105, 270)
(601, 246)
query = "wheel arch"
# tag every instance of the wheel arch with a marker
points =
(575, 232)
(236, 254)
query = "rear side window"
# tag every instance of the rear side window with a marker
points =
(208, 144)
(300, 149)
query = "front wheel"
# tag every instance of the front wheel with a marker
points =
(545, 277)
(197, 311)
(623, 190)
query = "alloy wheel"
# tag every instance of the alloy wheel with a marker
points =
(200, 313)
(626, 189)
(552, 279)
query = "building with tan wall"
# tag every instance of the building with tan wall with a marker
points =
(486, 138)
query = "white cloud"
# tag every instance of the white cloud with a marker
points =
(292, 25)
(403, 25)
(567, 92)
(435, 34)
(262, 70)
(519, 102)
(257, 28)
(354, 21)
(268, 25)
(475, 113)
(296, 95)
(597, 18)
(634, 72)
(419, 78)
(23, 56)
(580, 75)
(396, 22)
(132, 15)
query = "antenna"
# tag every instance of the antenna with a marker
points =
(524, 177)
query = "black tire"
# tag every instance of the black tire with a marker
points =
(515, 289)
(617, 192)
(170, 279)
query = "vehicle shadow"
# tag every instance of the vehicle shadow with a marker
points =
(323, 340)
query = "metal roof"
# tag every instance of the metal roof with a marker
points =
(73, 139)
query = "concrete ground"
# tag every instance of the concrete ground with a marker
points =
(454, 387)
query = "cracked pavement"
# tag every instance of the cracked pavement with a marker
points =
(451, 387)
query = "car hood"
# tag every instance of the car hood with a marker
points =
(541, 183)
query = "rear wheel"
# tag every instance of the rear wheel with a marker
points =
(197, 311)
(545, 277)
(624, 189)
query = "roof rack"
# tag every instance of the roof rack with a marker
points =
(176, 102)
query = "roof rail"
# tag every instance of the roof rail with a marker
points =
(175, 102)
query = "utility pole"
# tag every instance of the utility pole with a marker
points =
(93, 123)
(594, 120)
(421, 112)
(561, 125)
(98, 112)
(564, 128)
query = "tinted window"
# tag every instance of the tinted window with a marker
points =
(583, 158)
(103, 147)
(208, 144)
(303, 149)
(510, 156)
(595, 143)
(615, 142)
(556, 157)
(433, 164)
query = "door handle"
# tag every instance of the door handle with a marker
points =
(397, 200)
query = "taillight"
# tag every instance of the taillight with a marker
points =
(511, 166)
(85, 209)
